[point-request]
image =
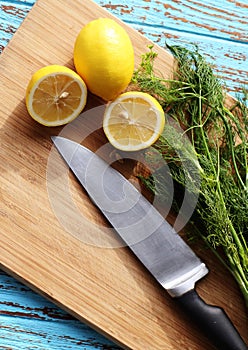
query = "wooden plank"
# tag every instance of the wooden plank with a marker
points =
(219, 30)
(28, 320)
(36, 248)
(11, 16)
(221, 37)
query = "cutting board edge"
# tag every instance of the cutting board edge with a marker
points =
(19, 277)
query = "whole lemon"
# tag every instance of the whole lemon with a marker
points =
(104, 57)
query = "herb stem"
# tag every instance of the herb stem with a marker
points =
(232, 147)
(195, 101)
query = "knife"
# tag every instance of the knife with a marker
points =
(151, 238)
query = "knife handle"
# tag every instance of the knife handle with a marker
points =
(213, 321)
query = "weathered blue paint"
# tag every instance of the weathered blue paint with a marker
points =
(219, 30)
(27, 320)
(12, 14)
(27, 334)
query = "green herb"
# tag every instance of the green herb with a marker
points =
(205, 145)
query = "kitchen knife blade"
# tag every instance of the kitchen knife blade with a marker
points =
(151, 238)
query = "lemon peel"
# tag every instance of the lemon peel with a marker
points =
(104, 57)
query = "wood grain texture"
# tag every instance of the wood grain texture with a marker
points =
(33, 148)
(11, 16)
(218, 28)
(27, 320)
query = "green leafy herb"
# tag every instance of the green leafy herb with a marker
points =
(205, 145)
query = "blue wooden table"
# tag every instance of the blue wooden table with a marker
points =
(27, 320)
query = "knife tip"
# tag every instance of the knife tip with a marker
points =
(55, 139)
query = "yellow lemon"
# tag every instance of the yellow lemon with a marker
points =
(133, 121)
(55, 95)
(104, 57)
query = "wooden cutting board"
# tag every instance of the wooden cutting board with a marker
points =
(52, 237)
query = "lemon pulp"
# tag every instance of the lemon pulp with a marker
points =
(55, 95)
(133, 121)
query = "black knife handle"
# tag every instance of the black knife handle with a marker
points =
(213, 321)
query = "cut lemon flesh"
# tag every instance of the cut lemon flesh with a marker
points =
(133, 121)
(55, 95)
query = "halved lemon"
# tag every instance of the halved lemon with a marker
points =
(133, 121)
(55, 95)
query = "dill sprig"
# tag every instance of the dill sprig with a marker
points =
(207, 153)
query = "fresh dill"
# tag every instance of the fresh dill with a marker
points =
(215, 168)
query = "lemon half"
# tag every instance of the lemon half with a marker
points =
(133, 121)
(55, 95)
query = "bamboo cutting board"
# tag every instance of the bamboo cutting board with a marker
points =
(52, 237)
